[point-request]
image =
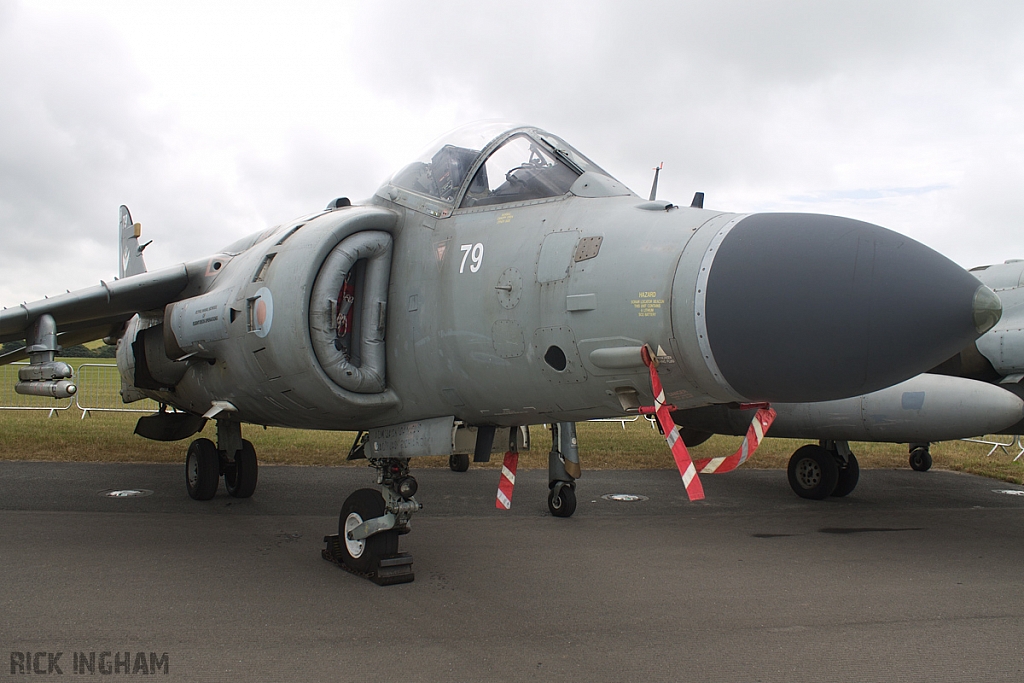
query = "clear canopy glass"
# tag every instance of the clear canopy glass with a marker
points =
(530, 164)
(442, 167)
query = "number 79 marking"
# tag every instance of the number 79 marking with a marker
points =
(474, 252)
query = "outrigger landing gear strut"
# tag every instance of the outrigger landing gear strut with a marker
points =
(370, 523)
(563, 469)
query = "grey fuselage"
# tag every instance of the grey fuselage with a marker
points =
(455, 343)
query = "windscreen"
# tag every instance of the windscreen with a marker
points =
(520, 170)
(441, 169)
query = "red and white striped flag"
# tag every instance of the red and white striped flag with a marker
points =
(687, 471)
(507, 483)
(763, 419)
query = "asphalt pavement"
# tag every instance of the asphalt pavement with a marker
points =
(914, 577)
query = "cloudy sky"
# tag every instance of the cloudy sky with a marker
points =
(214, 120)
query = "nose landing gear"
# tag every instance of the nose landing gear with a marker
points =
(370, 523)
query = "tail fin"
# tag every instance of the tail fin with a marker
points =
(131, 262)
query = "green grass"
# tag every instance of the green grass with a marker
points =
(108, 437)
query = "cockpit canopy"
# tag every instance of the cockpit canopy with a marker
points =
(507, 162)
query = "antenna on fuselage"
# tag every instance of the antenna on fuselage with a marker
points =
(654, 187)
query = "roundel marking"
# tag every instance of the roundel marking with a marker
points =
(262, 312)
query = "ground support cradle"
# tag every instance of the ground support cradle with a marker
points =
(390, 570)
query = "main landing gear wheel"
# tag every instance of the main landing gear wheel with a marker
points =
(920, 459)
(365, 555)
(848, 477)
(202, 469)
(458, 463)
(813, 472)
(562, 501)
(240, 476)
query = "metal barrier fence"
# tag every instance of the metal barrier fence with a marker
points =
(1014, 442)
(624, 420)
(99, 390)
(621, 420)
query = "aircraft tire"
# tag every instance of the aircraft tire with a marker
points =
(364, 556)
(240, 476)
(848, 478)
(458, 462)
(564, 504)
(813, 472)
(920, 460)
(202, 470)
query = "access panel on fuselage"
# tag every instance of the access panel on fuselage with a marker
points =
(491, 307)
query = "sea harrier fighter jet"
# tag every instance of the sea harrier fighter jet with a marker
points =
(501, 280)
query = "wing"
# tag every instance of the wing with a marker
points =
(92, 313)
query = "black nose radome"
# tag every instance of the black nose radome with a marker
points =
(804, 307)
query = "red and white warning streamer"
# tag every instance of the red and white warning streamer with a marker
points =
(507, 483)
(688, 469)
(763, 419)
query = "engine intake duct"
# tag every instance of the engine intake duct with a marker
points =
(347, 314)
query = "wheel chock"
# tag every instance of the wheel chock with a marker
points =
(392, 569)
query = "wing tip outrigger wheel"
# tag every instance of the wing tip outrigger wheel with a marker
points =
(563, 469)
(920, 457)
(562, 499)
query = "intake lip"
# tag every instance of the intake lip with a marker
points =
(807, 307)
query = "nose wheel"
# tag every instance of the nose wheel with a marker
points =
(365, 554)
(370, 523)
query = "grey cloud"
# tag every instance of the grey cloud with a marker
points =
(761, 105)
(63, 128)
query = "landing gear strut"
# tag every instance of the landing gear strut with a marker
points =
(828, 469)
(563, 469)
(233, 457)
(920, 457)
(370, 523)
